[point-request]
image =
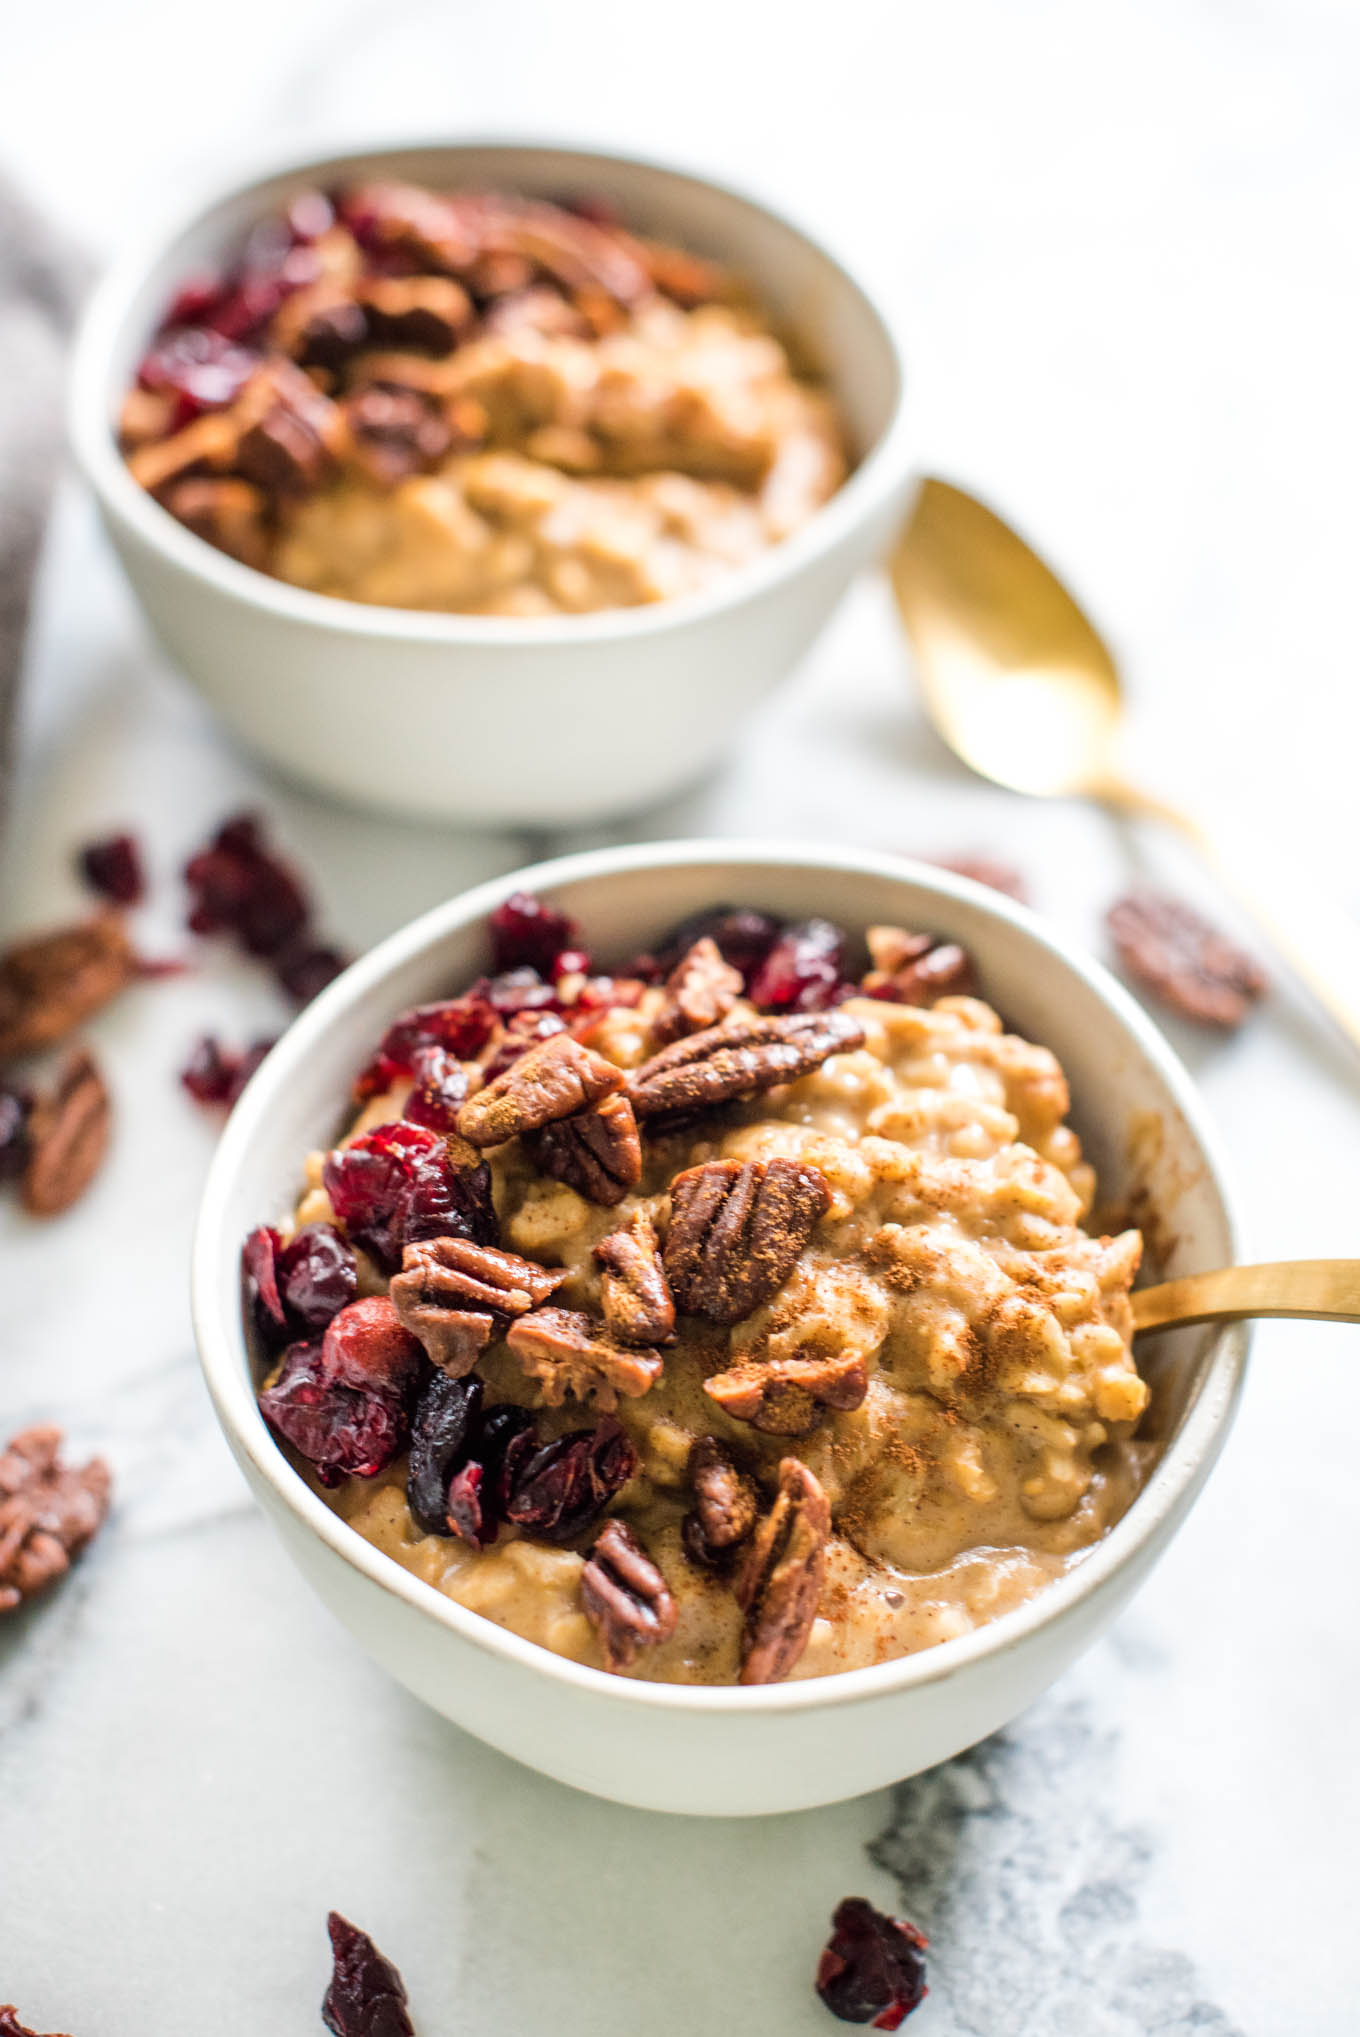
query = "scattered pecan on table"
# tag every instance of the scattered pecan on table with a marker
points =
(739, 1058)
(637, 1303)
(789, 1396)
(51, 983)
(67, 1137)
(553, 1080)
(626, 1598)
(871, 1969)
(49, 1512)
(737, 1230)
(781, 1577)
(699, 993)
(453, 1294)
(366, 1996)
(569, 1353)
(726, 1506)
(916, 968)
(597, 1151)
(1183, 960)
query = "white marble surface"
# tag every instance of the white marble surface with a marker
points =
(1123, 234)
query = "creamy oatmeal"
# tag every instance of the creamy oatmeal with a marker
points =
(477, 404)
(712, 1341)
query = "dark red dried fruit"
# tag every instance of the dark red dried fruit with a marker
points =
(237, 886)
(316, 1275)
(802, 971)
(1183, 960)
(461, 1026)
(525, 933)
(871, 1970)
(15, 1109)
(367, 1996)
(524, 1029)
(441, 1434)
(342, 1432)
(215, 1074)
(562, 1488)
(397, 1184)
(441, 1085)
(742, 935)
(519, 990)
(260, 1277)
(367, 1347)
(305, 968)
(201, 369)
(113, 868)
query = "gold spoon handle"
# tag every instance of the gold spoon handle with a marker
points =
(1320, 1290)
(1313, 933)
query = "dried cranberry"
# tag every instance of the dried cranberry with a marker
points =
(367, 1348)
(194, 299)
(802, 971)
(605, 993)
(571, 962)
(519, 990)
(201, 369)
(871, 1971)
(316, 1275)
(522, 1031)
(15, 1108)
(341, 1431)
(305, 969)
(260, 1275)
(441, 1084)
(239, 887)
(366, 1997)
(309, 215)
(499, 1429)
(397, 1184)
(440, 1436)
(526, 933)
(464, 1506)
(461, 1025)
(215, 1074)
(113, 868)
(744, 937)
(562, 1488)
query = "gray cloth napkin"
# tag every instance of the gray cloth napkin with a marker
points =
(40, 281)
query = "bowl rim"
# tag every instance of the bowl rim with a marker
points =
(873, 482)
(218, 1329)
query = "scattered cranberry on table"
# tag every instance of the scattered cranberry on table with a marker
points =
(871, 1969)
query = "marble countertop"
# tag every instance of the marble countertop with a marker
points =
(1117, 234)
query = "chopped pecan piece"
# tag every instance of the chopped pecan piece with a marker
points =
(52, 983)
(321, 326)
(625, 1596)
(450, 1293)
(637, 1302)
(737, 1230)
(597, 1152)
(726, 1504)
(146, 415)
(916, 968)
(738, 1059)
(700, 991)
(781, 1578)
(553, 1080)
(48, 1513)
(395, 433)
(427, 314)
(1185, 961)
(786, 1396)
(223, 511)
(568, 1353)
(429, 228)
(207, 446)
(291, 435)
(68, 1136)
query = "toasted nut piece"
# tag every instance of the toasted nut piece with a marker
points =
(551, 1081)
(450, 1293)
(726, 1505)
(568, 1353)
(395, 433)
(597, 1152)
(67, 1139)
(739, 1058)
(788, 1396)
(51, 983)
(224, 512)
(625, 1596)
(781, 1579)
(427, 314)
(916, 968)
(737, 1230)
(1183, 960)
(207, 446)
(48, 1512)
(291, 435)
(637, 1302)
(700, 991)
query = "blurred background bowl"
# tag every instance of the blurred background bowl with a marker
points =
(475, 719)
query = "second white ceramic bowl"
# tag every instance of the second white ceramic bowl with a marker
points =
(488, 719)
(786, 1746)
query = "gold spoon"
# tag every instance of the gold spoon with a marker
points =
(1022, 687)
(1321, 1290)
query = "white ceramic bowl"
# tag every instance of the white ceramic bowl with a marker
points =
(479, 719)
(781, 1747)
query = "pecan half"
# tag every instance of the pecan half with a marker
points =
(739, 1058)
(428, 314)
(451, 1292)
(781, 1579)
(291, 435)
(787, 1396)
(916, 968)
(737, 1230)
(553, 1080)
(1185, 961)
(633, 1293)
(625, 1596)
(68, 1136)
(699, 993)
(568, 1353)
(597, 1152)
(223, 511)
(48, 1512)
(395, 433)
(321, 326)
(726, 1504)
(52, 983)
